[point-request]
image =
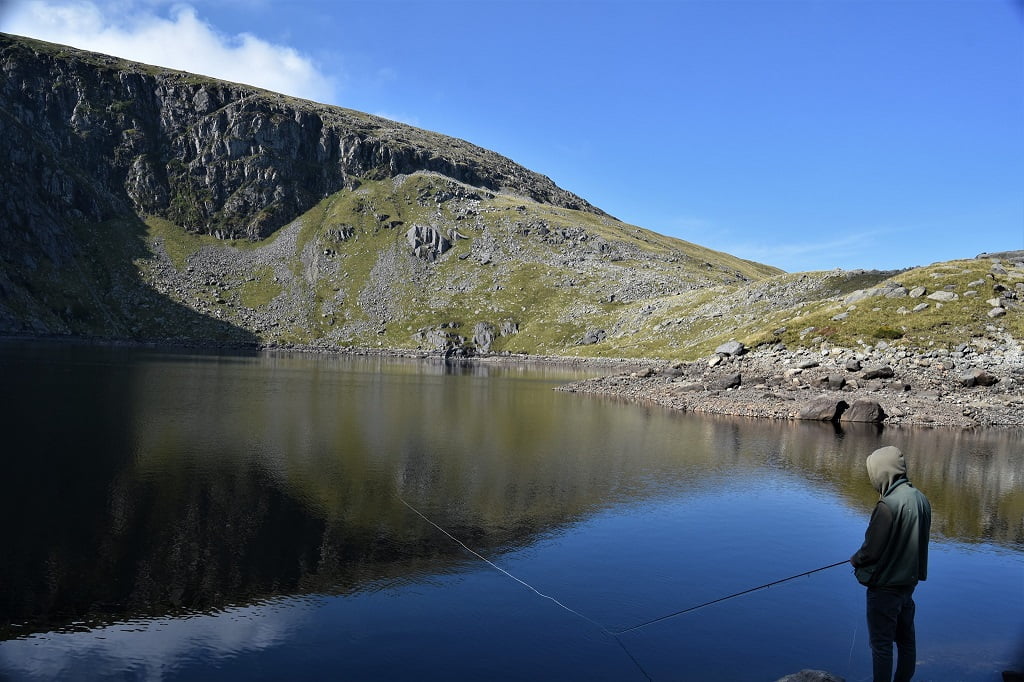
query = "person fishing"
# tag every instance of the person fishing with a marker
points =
(890, 563)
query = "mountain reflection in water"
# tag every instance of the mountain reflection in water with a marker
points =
(140, 486)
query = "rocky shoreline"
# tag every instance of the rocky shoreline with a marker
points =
(961, 388)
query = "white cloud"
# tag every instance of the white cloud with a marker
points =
(180, 40)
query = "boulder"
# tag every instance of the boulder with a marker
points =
(731, 348)
(852, 365)
(977, 377)
(728, 381)
(823, 409)
(858, 296)
(868, 411)
(944, 296)
(836, 382)
(879, 373)
(690, 388)
(593, 336)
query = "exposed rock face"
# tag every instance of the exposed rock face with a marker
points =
(483, 336)
(89, 137)
(427, 242)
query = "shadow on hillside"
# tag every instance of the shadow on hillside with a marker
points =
(81, 281)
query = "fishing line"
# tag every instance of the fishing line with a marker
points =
(615, 634)
(529, 586)
(499, 568)
(852, 642)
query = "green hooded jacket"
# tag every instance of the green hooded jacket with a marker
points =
(895, 549)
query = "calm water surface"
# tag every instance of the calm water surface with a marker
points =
(178, 516)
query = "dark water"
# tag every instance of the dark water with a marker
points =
(177, 516)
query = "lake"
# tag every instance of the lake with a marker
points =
(177, 515)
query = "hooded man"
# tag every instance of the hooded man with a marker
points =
(893, 558)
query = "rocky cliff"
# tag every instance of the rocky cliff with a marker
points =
(92, 137)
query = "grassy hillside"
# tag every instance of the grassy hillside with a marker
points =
(344, 274)
(538, 278)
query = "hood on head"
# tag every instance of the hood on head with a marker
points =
(885, 466)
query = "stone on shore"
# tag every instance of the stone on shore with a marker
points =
(879, 373)
(927, 388)
(868, 411)
(728, 381)
(977, 377)
(823, 409)
(835, 382)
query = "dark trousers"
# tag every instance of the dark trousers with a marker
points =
(891, 620)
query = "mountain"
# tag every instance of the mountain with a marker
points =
(148, 204)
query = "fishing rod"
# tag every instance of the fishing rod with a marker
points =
(726, 598)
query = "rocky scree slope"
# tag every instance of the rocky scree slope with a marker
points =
(938, 345)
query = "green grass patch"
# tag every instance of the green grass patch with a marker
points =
(179, 244)
(260, 290)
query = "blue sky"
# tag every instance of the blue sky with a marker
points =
(806, 134)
